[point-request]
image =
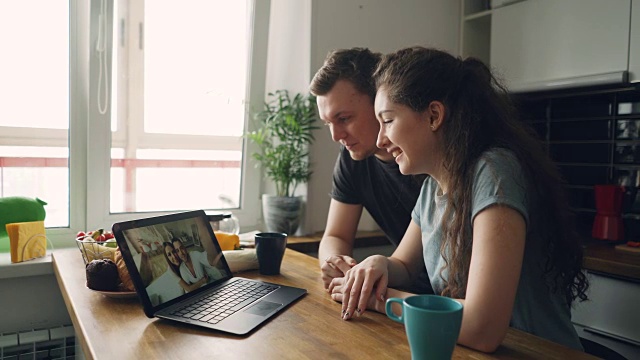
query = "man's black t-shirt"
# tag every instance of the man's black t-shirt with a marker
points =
(379, 186)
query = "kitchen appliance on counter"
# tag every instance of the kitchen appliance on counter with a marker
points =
(225, 222)
(608, 224)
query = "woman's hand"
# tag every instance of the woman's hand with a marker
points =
(367, 279)
(374, 303)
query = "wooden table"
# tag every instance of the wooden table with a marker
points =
(311, 328)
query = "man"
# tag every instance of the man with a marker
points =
(364, 175)
(197, 268)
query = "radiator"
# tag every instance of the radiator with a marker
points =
(54, 343)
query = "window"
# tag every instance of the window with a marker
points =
(152, 123)
(180, 110)
(34, 116)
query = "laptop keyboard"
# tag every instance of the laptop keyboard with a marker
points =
(225, 301)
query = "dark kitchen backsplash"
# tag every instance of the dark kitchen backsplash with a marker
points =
(593, 135)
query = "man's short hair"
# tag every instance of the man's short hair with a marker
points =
(356, 65)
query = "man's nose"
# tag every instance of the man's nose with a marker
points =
(337, 133)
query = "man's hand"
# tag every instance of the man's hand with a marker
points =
(146, 271)
(335, 266)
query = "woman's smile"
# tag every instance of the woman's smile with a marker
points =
(396, 153)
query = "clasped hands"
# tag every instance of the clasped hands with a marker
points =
(357, 286)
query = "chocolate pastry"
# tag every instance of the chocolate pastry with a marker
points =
(102, 275)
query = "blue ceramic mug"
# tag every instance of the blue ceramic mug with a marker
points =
(432, 324)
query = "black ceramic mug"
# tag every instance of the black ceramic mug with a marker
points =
(270, 248)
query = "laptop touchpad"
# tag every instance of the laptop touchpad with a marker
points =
(262, 308)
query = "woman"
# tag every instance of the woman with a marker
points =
(171, 257)
(174, 262)
(196, 266)
(491, 225)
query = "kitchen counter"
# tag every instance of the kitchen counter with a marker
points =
(602, 257)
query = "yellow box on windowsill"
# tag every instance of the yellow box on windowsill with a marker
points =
(28, 240)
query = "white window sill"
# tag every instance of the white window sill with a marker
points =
(35, 267)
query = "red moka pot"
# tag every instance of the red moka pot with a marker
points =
(608, 224)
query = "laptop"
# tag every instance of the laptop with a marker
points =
(180, 273)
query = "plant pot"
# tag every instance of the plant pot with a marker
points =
(282, 213)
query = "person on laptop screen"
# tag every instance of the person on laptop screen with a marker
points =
(197, 267)
(185, 263)
(174, 261)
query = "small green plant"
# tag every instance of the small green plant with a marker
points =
(283, 133)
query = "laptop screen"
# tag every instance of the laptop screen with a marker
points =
(173, 255)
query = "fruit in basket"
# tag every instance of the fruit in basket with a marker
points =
(96, 245)
(102, 275)
(92, 250)
(100, 252)
(123, 272)
(98, 235)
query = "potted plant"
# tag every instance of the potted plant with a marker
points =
(284, 131)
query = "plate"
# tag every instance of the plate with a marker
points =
(117, 294)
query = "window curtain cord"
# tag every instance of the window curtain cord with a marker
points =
(101, 49)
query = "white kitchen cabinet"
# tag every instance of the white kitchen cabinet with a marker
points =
(552, 43)
(634, 43)
(610, 316)
(475, 34)
(31, 302)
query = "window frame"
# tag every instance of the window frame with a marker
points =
(90, 131)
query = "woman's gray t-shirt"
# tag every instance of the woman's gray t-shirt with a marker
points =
(499, 180)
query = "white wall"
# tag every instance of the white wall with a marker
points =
(288, 60)
(382, 26)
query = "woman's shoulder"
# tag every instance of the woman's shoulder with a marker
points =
(500, 170)
(497, 161)
(500, 156)
(429, 193)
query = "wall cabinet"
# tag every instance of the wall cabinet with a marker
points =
(634, 43)
(475, 35)
(550, 44)
(594, 138)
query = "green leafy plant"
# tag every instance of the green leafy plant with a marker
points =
(283, 134)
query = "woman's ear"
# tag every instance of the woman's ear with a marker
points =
(435, 113)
